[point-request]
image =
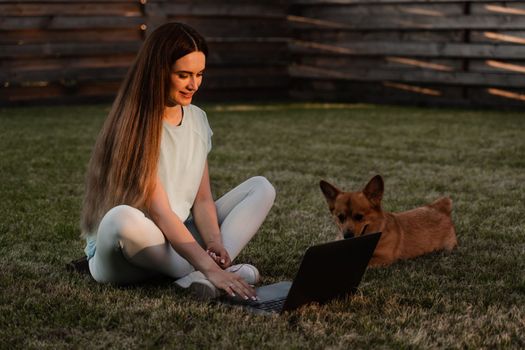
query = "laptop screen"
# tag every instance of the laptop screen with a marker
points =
(331, 270)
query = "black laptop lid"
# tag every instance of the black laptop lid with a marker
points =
(331, 270)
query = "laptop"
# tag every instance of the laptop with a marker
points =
(328, 271)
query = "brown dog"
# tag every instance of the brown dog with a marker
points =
(405, 235)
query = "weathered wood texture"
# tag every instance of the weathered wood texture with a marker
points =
(412, 51)
(78, 51)
(420, 52)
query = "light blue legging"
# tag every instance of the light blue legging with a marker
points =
(131, 248)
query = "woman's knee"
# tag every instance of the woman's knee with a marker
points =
(123, 221)
(132, 229)
(262, 185)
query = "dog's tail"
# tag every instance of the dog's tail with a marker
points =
(443, 204)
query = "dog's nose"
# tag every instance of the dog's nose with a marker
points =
(348, 234)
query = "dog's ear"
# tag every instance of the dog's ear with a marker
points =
(330, 193)
(374, 190)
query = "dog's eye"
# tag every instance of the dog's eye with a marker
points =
(341, 217)
(358, 217)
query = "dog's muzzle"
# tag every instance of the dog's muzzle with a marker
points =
(348, 234)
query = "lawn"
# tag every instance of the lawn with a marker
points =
(473, 297)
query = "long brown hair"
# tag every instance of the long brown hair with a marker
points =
(123, 166)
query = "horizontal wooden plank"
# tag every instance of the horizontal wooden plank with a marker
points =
(352, 2)
(69, 22)
(255, 77)
(246, 52)
(399, 93)
(457, 50)
(434, 77)
(392, 87)
(508, 37)
(68, 1)
(68, 50)
(72, 75)
(383, 62)
(409, 22)
(58, 92)
(499, 7)
(214, 2)
(236, 27)
(242, 94)
(427, 8)
(344, 10)
(379, 92)
(216, 9)
(336, 36)
(516, 67)
(245, 82)
(262, 70)
(126, 9)
(146, 2)
(34, 36)
(241, 40)
(37, 64)
(497, 97)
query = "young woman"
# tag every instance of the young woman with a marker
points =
(148, 206)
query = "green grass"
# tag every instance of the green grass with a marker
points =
(473, 297)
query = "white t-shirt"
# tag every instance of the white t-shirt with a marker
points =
(183, 153)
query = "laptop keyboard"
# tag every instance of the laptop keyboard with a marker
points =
(271, 305)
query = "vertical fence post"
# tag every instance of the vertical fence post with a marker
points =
(466, 60)
(153, 15)
(144, 25)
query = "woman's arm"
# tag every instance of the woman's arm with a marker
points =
(184, 244)
(177, 233)
(205, 217)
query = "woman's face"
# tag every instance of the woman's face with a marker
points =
(186, 77)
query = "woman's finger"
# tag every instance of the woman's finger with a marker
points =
(222, 257)
(244, 290)
(229, 289)
(215, 257)
(225, 259)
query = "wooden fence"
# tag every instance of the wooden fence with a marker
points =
(435, 52)
(418, 51)
(71, 51)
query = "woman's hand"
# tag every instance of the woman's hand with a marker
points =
(232, 284)
(219, 254)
